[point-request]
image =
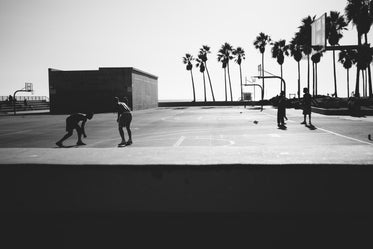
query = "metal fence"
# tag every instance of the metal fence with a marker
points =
(22, 98)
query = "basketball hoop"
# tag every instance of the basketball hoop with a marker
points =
(28, 87)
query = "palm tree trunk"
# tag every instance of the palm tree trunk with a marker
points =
(313, 79)
(208, 75)
(241, 83)
(369, 72)
(298, 79)
(370, 82)
(230, 84)
(348, 83)
(263, 75)
(363, 75)
(335, 76)
(281, 80)
(194, 91)
(357, 92)
(204, 85)
(308, 72)
(316, 79)
(225, 84)
(366, 82)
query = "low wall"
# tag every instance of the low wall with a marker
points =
(209, 103)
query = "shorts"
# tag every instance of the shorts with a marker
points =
(125, 119)
(307, 111)
(71, 125)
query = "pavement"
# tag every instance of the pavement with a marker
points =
(191, 136)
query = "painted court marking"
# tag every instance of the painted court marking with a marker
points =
(343, 136)
(16, 132)
(179, 141)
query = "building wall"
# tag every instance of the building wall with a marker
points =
(144, 91)
(83, 91)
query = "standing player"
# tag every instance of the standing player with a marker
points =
(72, 122)
(307, 99)
(281, 110)
(124, 119)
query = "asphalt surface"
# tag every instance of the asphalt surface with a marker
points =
(191, 135)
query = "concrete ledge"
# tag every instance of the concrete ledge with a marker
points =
(340, 111)
(208, 103)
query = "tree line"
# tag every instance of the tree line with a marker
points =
(357, 12)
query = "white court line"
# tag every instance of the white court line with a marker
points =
(179, 141)
(16, 132)
(340, 135)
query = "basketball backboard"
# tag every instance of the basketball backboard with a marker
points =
(28, 87)
(318, 34)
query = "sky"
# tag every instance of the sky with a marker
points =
(153, 36)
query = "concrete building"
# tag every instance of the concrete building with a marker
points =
(94, 90)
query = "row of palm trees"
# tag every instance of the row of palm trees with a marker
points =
(225, 55)
(357, 12)
(360, 13)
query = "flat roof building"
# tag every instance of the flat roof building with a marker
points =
(94, 90)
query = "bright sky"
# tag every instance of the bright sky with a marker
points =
(153, 36)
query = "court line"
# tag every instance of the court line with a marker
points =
(179, 141)
(16, 132)
(347, 137)
(334, 133)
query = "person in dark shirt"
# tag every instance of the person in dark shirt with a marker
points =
(281, 110)
(307, 99)
(72, 122)
(124, 119)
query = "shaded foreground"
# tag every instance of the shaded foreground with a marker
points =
(273, 206)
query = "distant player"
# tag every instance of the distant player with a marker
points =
(281, 110)
(307, 99)
(124, 119)
(72, 122)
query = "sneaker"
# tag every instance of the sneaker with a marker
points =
(303, 122)
(129, 142)
(80, 143)
(59, 144)
(122, 143)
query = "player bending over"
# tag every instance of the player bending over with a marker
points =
(72, 122)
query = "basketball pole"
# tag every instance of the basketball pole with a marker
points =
(14, 96)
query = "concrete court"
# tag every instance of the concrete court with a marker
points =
(191, 135)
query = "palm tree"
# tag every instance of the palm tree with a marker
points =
(347, 58)
(202, 68)
(187, 59)
(224, 56)
(305, 41)
(279, 50)
(364, 58)
(315, 59)
(296, 52)
(203, 56)
(260, 43)
(359, 12)
(239, 53)
(335, 24)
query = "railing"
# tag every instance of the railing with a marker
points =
(21, 98)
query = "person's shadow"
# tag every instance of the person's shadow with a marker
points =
(311, 127)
